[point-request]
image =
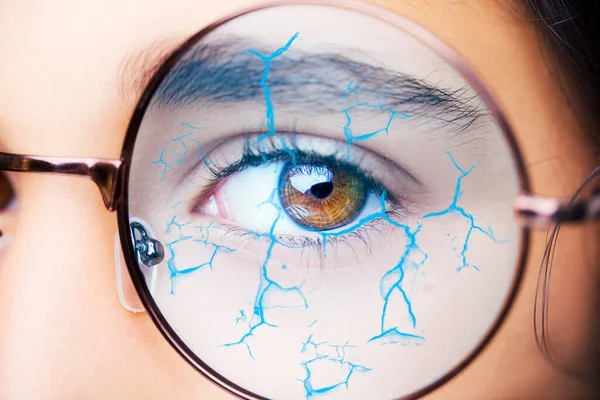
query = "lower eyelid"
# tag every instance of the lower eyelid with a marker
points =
(338, 252)
(237, 236)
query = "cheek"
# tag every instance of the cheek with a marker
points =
(413, 301)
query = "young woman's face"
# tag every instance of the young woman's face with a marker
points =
(69, 81)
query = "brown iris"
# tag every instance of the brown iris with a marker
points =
(321, 197)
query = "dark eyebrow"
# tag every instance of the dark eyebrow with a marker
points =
(227, 72)
(138, 67)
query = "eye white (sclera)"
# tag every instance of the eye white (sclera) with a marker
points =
(252, 199)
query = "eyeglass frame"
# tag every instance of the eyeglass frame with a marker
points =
(111, 176)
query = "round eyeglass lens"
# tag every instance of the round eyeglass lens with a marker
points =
(334, 201)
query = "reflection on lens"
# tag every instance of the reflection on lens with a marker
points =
(335, 205)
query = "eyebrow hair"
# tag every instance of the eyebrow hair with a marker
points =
(137, 68)
(225, 71)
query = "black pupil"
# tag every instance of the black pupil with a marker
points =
(321, 190)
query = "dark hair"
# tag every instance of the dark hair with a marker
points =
(570, 30)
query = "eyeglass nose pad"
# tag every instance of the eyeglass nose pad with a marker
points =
(126, 292)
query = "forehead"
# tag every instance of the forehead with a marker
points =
(59, 83)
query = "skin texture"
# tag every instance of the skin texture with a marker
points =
(63, 333)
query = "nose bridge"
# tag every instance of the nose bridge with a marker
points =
(57, 294)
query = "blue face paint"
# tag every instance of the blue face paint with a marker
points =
(197, 234)
(380, 105)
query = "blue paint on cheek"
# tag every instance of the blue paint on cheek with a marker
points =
(399, 327)
(270, 294)
(394, 336)
(241, 318)
(394, 329)
(327, 360)
(456, 209)
(187, 232)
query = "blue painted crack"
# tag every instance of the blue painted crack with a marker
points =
(270, 288)
(379, 105)
(327, 360)
(187, 232)
(177, 149)
(454, 208)
(269, 110)
(161, 161)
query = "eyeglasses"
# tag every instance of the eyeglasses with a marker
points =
(320, 199)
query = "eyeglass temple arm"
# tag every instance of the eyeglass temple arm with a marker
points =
(538, 211)
(103, 172)
(541, 212)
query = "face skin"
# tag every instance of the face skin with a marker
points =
(63, 333)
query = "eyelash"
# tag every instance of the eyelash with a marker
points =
(274, 149)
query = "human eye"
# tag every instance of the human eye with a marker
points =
(329, 213)
(303, 190)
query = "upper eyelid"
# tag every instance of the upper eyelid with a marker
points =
(296, 141)
(385, 172)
